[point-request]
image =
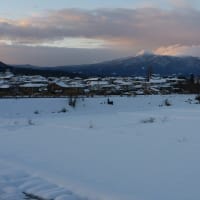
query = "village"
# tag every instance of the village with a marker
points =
(39, 86)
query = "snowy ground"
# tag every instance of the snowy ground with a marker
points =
(136, 149)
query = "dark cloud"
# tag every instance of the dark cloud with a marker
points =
(147, 27)
(123, 32)
(52, 56)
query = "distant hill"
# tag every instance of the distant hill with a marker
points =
(132, 66)
(35, 70)
(3, 66)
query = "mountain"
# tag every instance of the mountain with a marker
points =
(132, 66)
(3, 66)
(139, 65)
(35, 70)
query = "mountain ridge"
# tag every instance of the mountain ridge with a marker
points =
(130, 66)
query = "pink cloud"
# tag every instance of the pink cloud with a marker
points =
(131, 28)
(179, 50)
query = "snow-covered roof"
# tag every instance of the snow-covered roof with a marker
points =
(2, 82)
(140, 92)
(139, 78)
(62, 84)
(32, 85)
(108, 86)
(74, 85)
(77, 85)
(121, 82)
(138, 86)
(166, 86)
(4, 86)
(92, 79)
(39, 81)
(174, 79)
(154, 89)
(157, 81)
(92, 83)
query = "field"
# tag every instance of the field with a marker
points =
(140, 148)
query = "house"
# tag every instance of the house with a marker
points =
(5, 90)
(32, 89)
(61, 88)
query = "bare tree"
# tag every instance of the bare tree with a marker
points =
(149, 72)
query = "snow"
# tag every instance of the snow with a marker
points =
(121, 82)
(62, 84)
(33, 85)
(4, 86)
(137, 148)
(158, 81)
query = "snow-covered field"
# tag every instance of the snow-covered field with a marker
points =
(136, 149)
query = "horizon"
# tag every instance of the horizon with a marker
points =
(48, 33)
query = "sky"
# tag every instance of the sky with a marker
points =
(67, 32)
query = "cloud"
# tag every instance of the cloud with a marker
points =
(98, 35)
(128, 28)
(184, 4)
(180, 3)
(53, 56)
(179, 50)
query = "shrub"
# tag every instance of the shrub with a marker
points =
(36, 112)
(148, 120)
(72, 102)
(63, 110)
(30, 122)
(110, 102)
(197, 98)
(167, 103)
(91, 125)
